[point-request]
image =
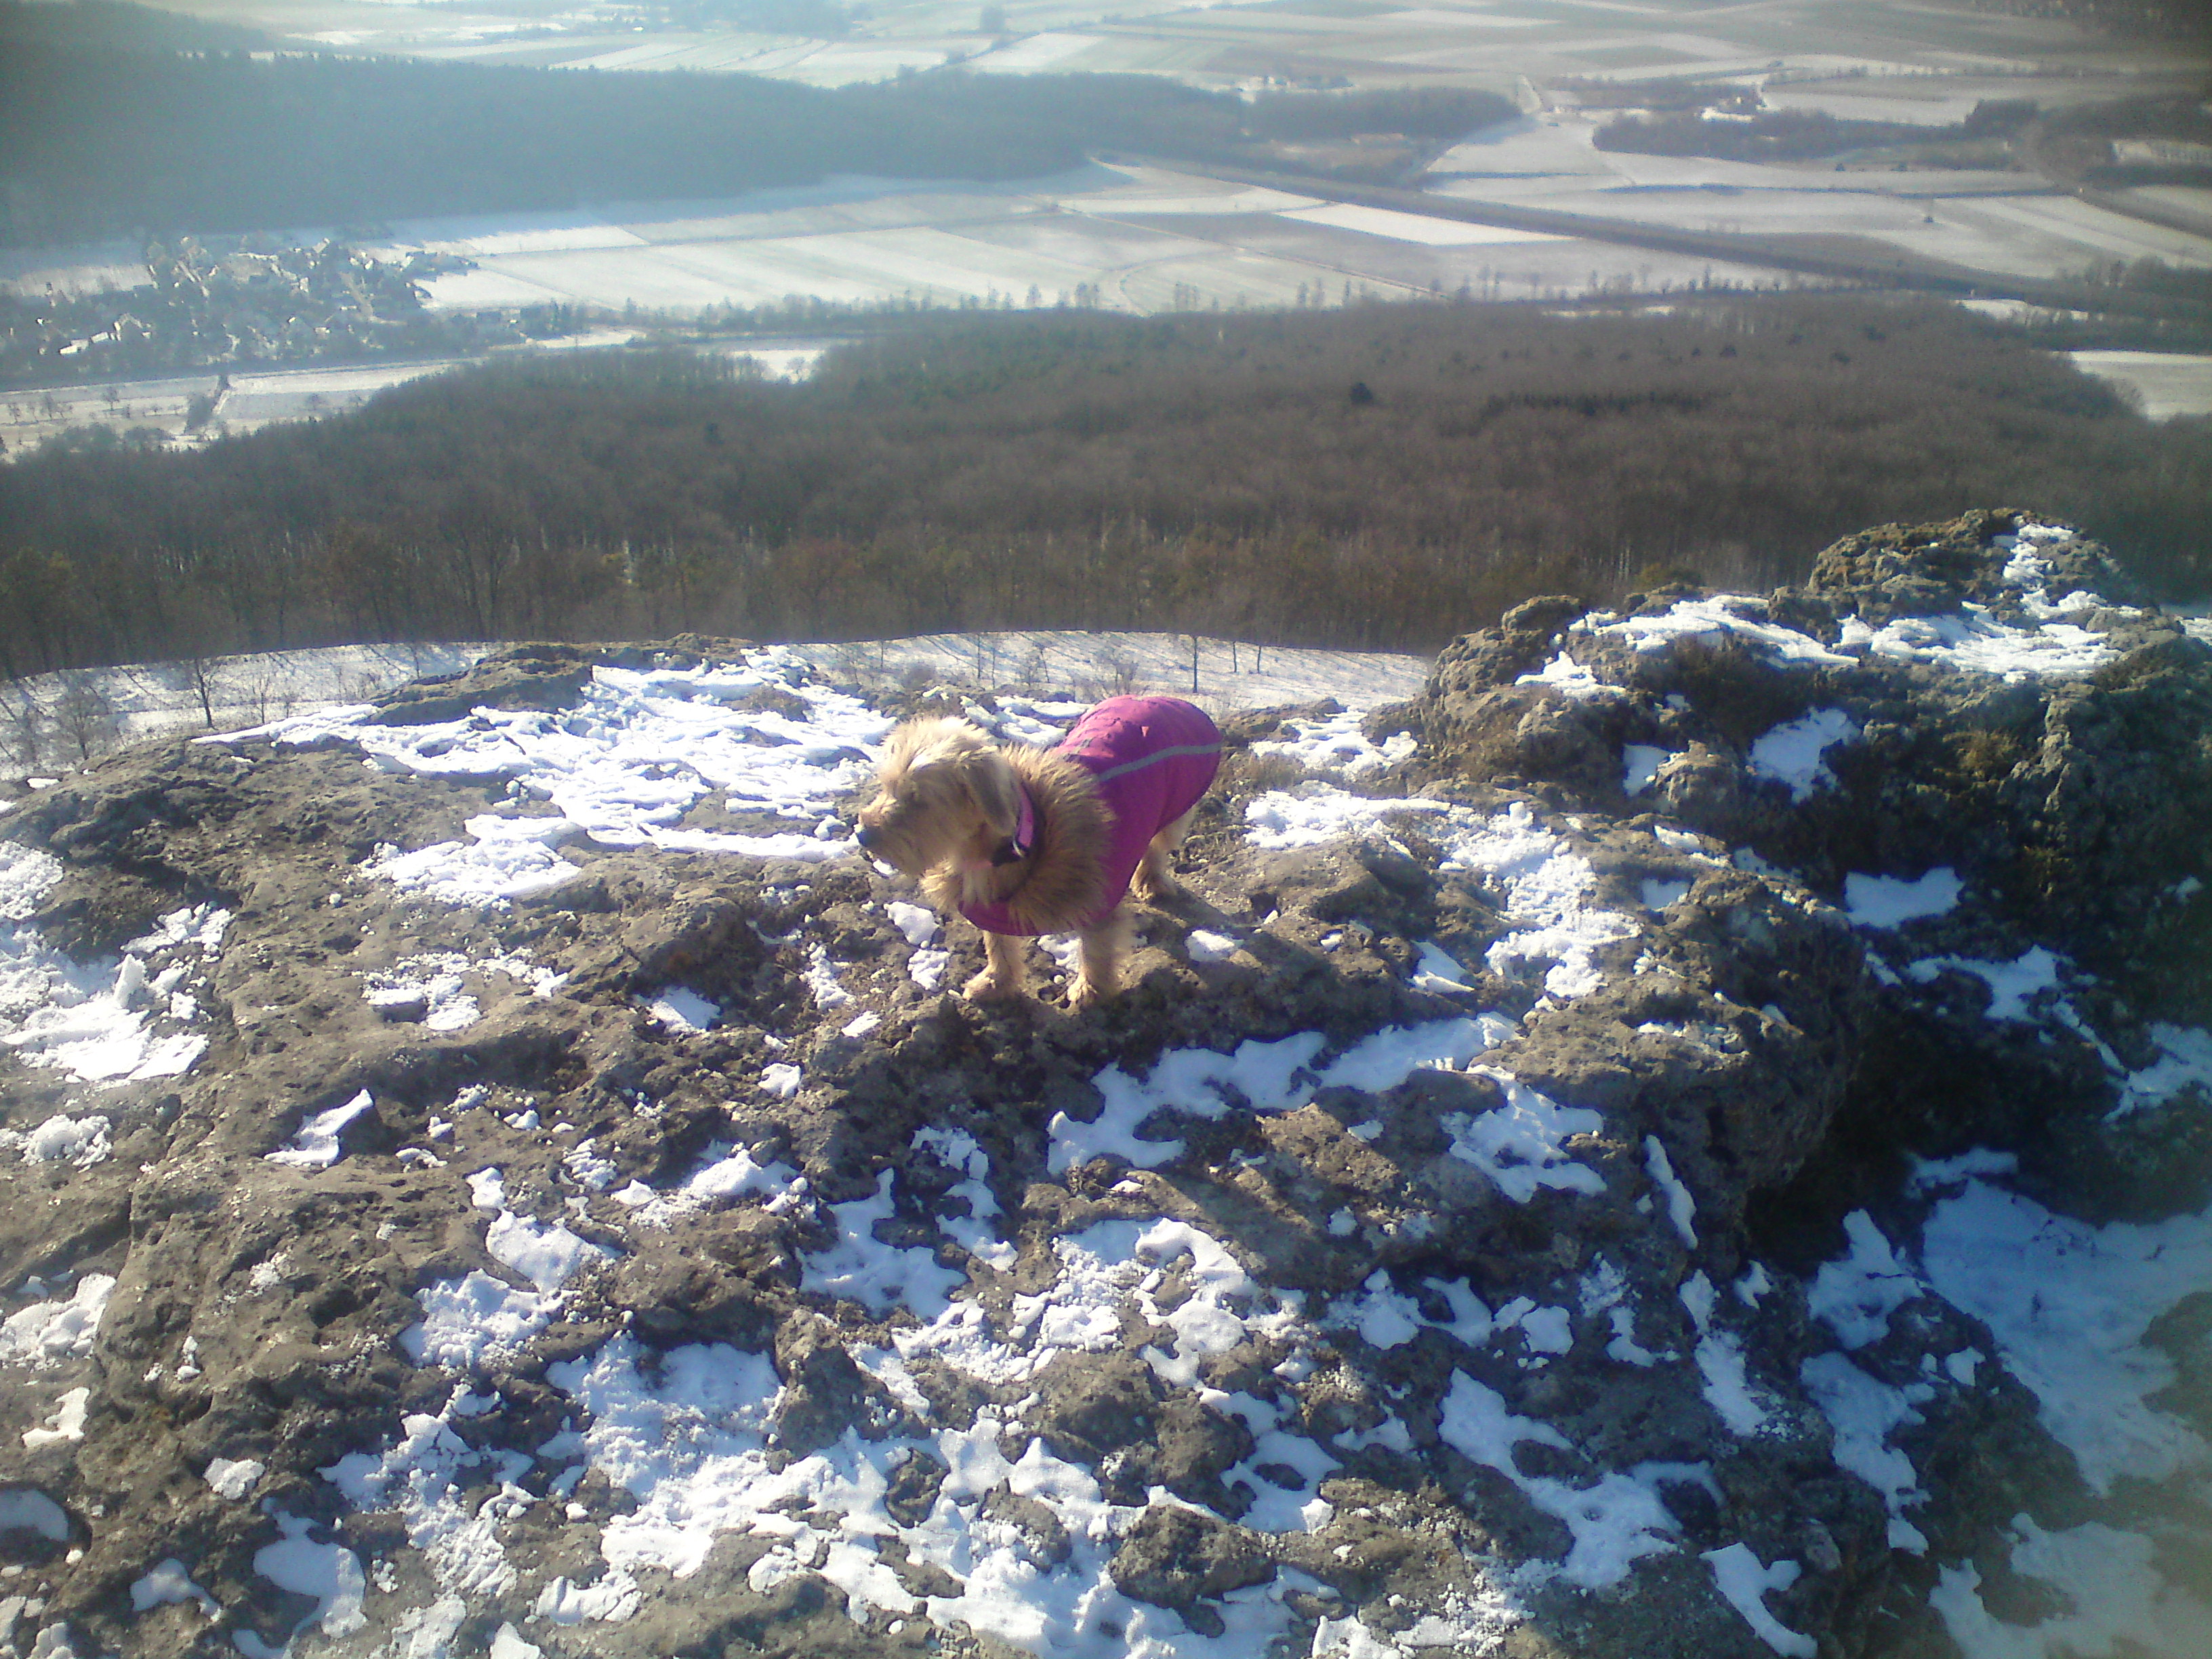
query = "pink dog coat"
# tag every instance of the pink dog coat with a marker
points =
(1152, 758)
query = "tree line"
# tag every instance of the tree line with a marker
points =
(100, 139)
(1385, 476)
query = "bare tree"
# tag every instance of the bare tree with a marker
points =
(200, 672)
(25, 721)
(85, 714)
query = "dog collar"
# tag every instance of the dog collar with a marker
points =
(1022, 841)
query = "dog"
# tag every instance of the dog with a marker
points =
(1023, 841)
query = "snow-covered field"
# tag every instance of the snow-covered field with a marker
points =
(2170, 383)
(1919, 65)
(262, 398)
(112, 706)
(2006, 222)
(1147, 239)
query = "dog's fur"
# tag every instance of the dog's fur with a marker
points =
(946, 801)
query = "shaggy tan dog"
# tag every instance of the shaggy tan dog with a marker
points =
(1023, 841)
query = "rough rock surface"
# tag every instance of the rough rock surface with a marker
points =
(501, 1175)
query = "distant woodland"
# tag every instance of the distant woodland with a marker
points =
(1736, 126)
(1377, 477)
(102, 135)
(1774, 136)
(2149, 19)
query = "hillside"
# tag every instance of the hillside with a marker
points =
(1684, 1139)
(1382, 479)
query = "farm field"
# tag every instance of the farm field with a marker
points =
(1143, 239)
(1146, 238)
(2171, 383)
(2010, 224)
(1569, 64)
(1869, 50)
(255, 400)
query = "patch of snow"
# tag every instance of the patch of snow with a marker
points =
(545, 1253)
(433, 1481)
(65, 1422)
(472, 1320)
(2113, 1599)
(2011, 983)
(314, 1145)
(329, 1573)
(1205, 946)
(2185, 1061)
(1572, 680)
(1864, 1412)
(958, 1151)
(234, 1478)
(1745, 1582)
(1891, 901)
(1521, 1146)
(29, 1510)
(1974, 640)
(624, 767)
(680, 1010)
(1711, 621)
(883, 1276)
(1315, 813)
(108, 1022)
(168, 1583)
(1855, 1295)
(1271, 1076)
(1639, 765)
(79, 1142)
(1615, 1523)
(430, 987)
(1437, 969)
(49, 1333)
(1794, 753)
(1546, 887)
(503, 860)
(1336, 744)
(918, 922)
(1681, 1207)
(2069, 1305)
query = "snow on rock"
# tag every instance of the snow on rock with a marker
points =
(626, 768)
(1794, 753)
(49, 1333)
(1711, 621)
(1745, 1581)
(112, 1021)
(1336, 744)
(314, 1145)
(1892, 901)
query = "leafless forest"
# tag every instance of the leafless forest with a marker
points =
(1380, 477)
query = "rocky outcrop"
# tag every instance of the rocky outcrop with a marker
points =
(500, 1173)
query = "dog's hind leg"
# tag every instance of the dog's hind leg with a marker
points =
(1003, 970)
(1098, 970)
(1155, 881)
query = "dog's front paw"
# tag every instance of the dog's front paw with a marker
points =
(1087, 993)
(988, 987)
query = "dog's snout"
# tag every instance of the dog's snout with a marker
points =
(867, 835)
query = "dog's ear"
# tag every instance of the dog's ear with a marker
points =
(992, 786)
